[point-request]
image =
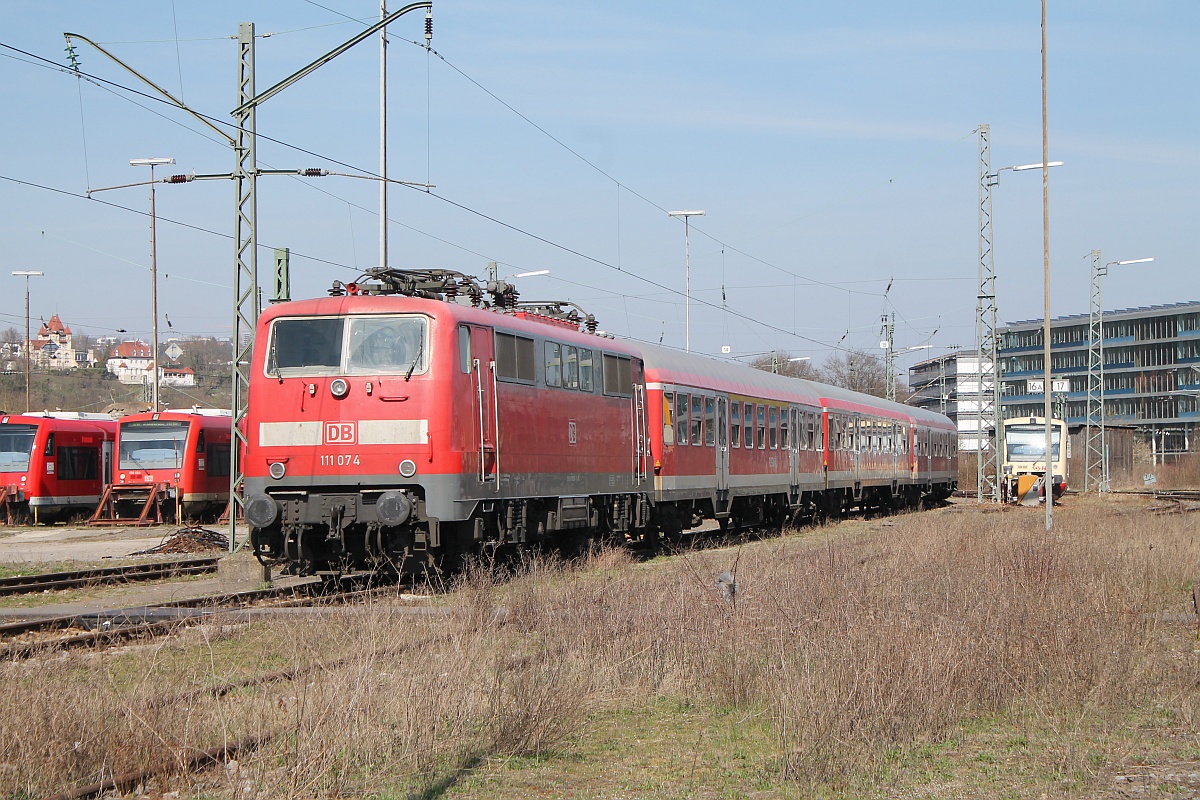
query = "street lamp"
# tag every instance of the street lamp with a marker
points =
(1096, 448)
(152, 163)
(687, 267)
(27, 274)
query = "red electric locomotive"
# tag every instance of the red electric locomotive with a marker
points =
(53, 463)
(390, 426)
(170, 465)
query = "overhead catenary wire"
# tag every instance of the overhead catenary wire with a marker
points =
(488, 217)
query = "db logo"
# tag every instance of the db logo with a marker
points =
(340, 433)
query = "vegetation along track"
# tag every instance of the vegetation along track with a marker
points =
(27, 638)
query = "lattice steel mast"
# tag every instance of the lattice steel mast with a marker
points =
(988, 389)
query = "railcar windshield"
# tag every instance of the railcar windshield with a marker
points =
(1028, 442)
(16, 447)
(357, 345)
(153, 444)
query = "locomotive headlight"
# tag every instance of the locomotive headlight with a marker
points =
(393, 508)
(408, 468)
(277, 469)
(338, 387)
(261, 510)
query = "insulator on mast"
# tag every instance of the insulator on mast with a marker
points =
(428, 27)
(180, 179)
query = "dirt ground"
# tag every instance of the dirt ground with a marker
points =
(52, 544)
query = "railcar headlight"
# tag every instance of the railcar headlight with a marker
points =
(338, 387)
(261, 510)
(393, 508)
(277, 469)
(408, 468)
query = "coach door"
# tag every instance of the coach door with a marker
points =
(722, 449)
(793, 445)
(483, 388)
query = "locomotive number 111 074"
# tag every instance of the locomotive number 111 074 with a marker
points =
(340, 460)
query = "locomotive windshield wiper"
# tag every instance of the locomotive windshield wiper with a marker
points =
(413, 365)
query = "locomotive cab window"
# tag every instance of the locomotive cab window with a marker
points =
(16, 447)
(381, 344)
(157, 444)
(305, 346)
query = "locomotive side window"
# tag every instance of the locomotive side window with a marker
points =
(49, 451)
(618, 375)
(514, 358)
(218, 460)
(16, 447)
(668, 407)
(307, 346)
(464, 349)
(710, 416)
(697, 419)
(570, 367)
(78, 463)
(681, 418)
(735, 420)
(585, 370)
(553, 364)
(387, 344)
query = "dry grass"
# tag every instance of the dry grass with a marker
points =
(849, 655)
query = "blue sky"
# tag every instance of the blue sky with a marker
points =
(832, 146)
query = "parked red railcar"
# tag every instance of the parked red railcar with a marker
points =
(389, 425)
(177, 461)
(53, 464)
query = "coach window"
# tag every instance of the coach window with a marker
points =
(681, 418)
(514, 358)
(710, 415)
(570, 367)
(697, 419)
(735, 423)
(618, 375)
(668, 407)
(553, 364)
(761, 412)
(748, 429)
(585, 370)
(785, 441)
(773, 427)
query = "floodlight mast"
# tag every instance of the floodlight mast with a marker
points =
(1095, 444)
(27, 274)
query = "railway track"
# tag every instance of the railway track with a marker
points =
(100, 576)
